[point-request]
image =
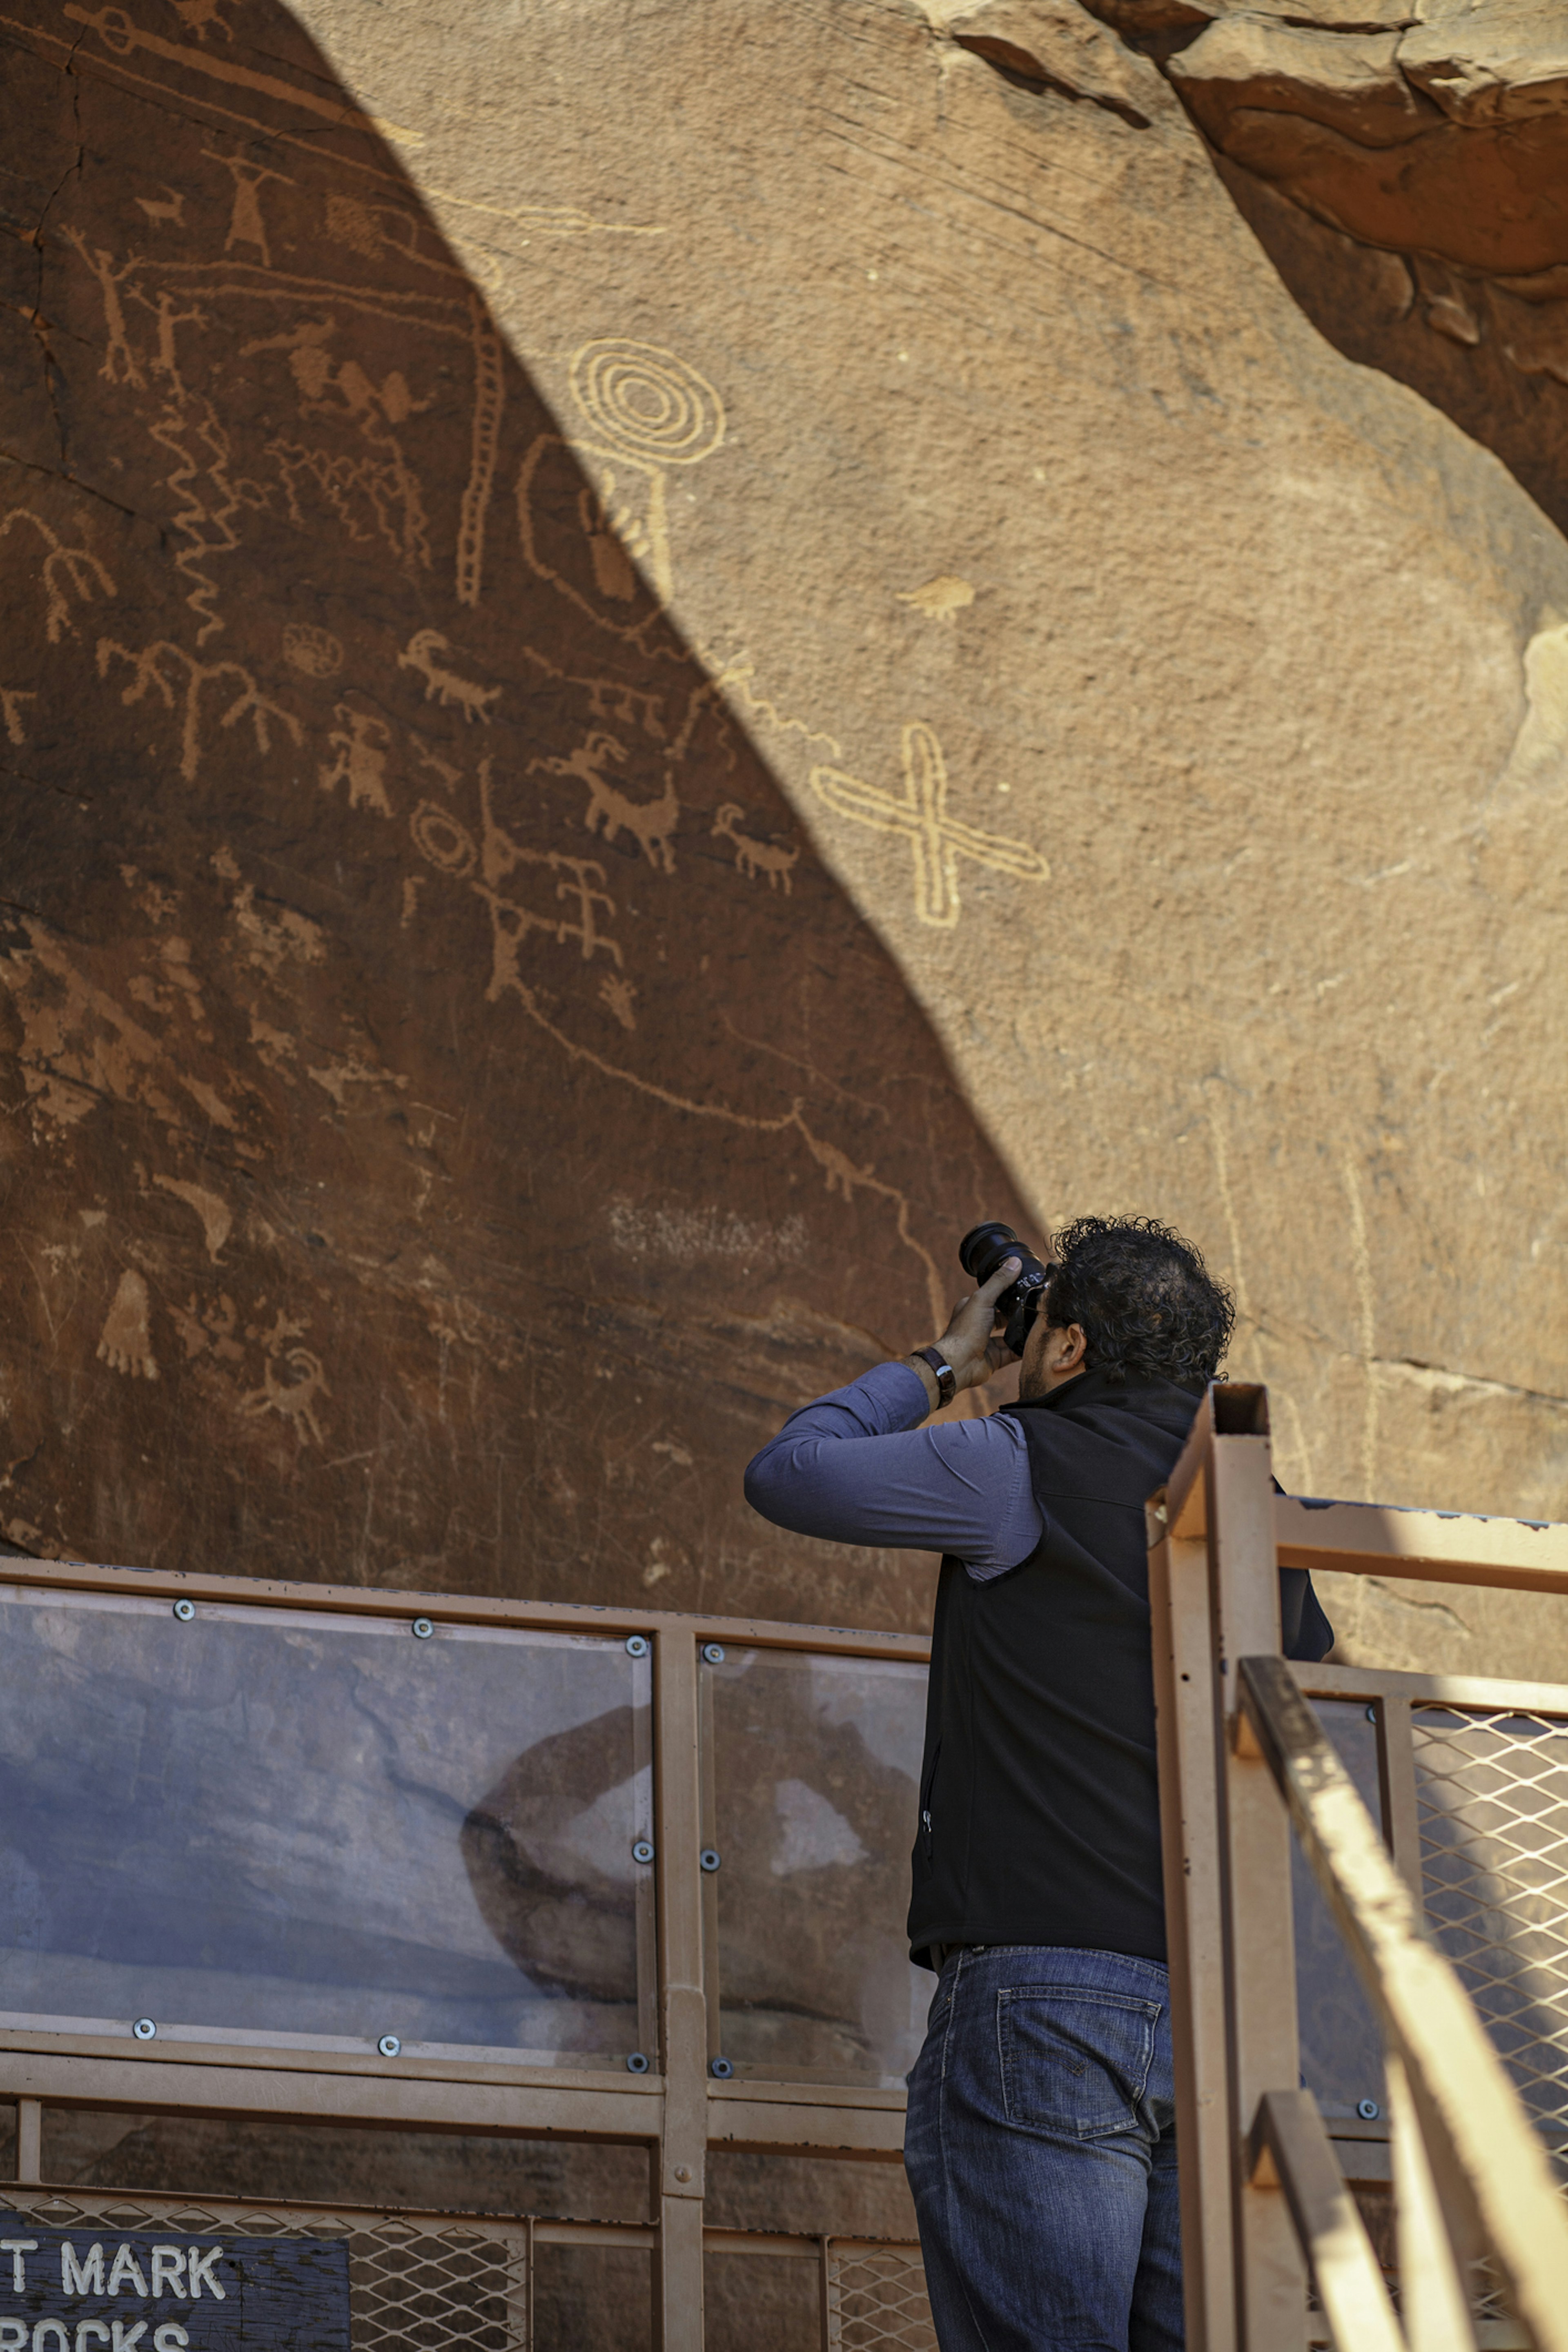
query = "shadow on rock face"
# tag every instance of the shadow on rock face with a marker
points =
(450, 1110)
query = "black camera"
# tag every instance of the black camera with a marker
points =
(981, 1252)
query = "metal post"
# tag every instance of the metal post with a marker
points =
(1259, 1952)
(683, 2008)
(29, 2139)
(1185, 1718)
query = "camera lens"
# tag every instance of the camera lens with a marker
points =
(983, 1249)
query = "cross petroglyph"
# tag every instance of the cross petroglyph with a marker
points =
(920, 814)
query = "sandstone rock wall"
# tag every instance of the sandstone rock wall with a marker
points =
(645, 644)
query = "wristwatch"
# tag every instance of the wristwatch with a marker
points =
(946, 1377)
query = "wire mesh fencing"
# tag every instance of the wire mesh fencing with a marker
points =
(432, 2283)
(1492, 1792)
(460, 2283)
(877, 2297)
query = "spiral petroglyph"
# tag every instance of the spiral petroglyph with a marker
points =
(645, 403)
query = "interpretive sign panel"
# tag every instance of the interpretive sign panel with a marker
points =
(70, 2291)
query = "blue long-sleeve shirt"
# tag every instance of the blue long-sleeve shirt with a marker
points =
(857, 1468)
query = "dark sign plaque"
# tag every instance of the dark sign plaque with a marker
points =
(95, 2289)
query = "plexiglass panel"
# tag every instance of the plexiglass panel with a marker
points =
(1341, 2048)
(814, 1773)
(266, 1824)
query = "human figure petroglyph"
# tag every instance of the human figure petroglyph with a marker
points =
(420, 654)
(167, 361)
(246, 225)
(362, 744)
(120, 364)
(11, 700)
(150, 668)
(651, 822)
(66, 570)
(126, 1342)
(920, 817)
(754, 858)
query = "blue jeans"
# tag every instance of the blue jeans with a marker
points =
(1041, 2148)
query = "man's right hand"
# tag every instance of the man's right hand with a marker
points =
(969, 1343)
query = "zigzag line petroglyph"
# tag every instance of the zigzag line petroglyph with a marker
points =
(736, 672)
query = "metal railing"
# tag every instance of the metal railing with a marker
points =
(658, 1783)
(611, 1890)
(1450, 1904)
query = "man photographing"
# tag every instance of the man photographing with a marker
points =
(1040, 2142)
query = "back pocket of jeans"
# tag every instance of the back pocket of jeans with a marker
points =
(1074, 2061)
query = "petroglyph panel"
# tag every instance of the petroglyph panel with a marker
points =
(402, 937)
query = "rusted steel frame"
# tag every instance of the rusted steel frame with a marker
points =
(1289, 2138)
(1259, 1950)
(683, 2008)
(1488, 2166)
(1186, 1728)
(1435, 1547)
(469, 1610)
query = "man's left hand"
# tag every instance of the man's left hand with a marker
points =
(968, 1344)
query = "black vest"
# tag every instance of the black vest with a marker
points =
(1039, 1810)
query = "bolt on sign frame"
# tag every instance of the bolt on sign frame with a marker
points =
(1450, 1904)
(677, 2096)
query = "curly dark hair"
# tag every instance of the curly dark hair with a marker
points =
(1148, 1307)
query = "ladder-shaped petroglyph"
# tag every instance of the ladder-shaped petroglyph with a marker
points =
(66, 572)
(161, 663)
(652, 823)
(754, 858)
(920, 816)
(444, 684)
(490, 392)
